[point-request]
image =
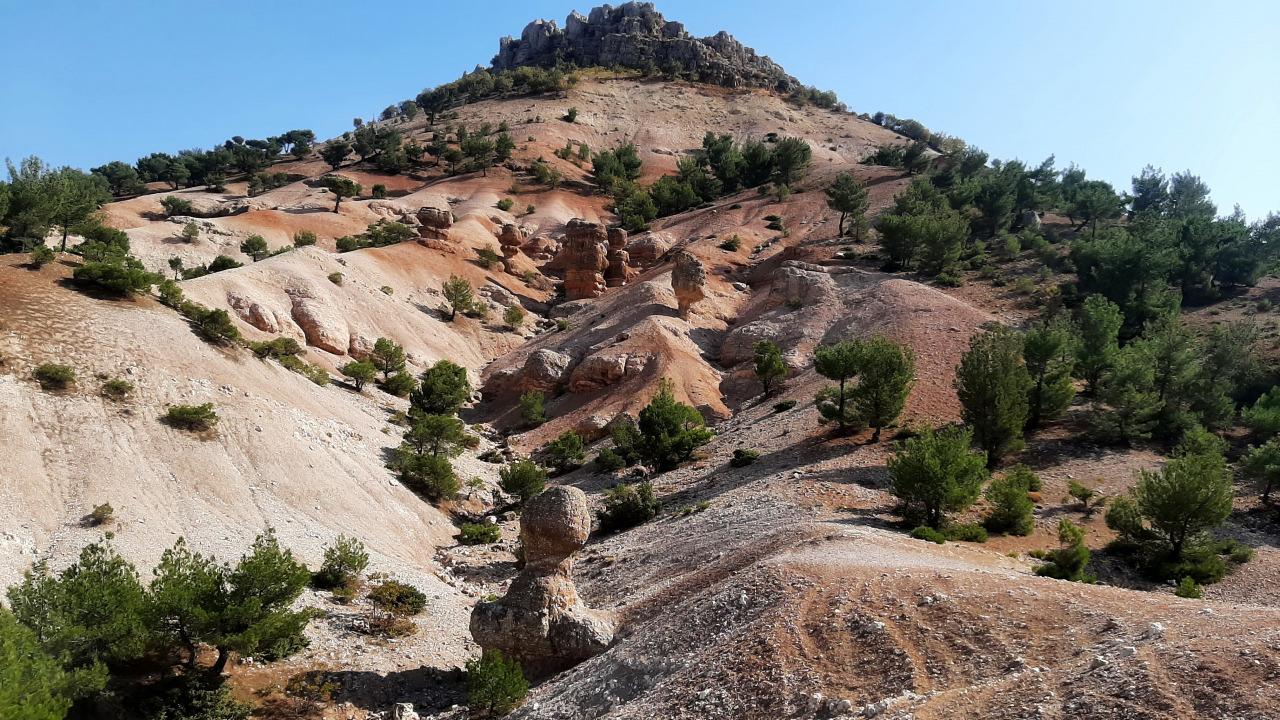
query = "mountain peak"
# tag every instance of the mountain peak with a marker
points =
(635, 35)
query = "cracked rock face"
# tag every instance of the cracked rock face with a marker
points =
(618, 272)
(511, 237)
(434, 223)
(635, 35)
(688, 279)
(541, 621)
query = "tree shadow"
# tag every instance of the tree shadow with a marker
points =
(429, 689)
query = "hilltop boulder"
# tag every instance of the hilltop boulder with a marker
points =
(688, 278)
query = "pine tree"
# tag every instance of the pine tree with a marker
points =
(848, 197)
(1100, 321)
(936, 472)
(886, 371)
(458, 293)
(769, 365)
(387, 357)
(837, 362)
(1049, 352)
(992, 383)
(669, 430)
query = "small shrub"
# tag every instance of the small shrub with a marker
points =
(102, 514)
(398, 598)
(562, 324)
(608, 460)
(488, 257)
(389, 625)
(1188, 588)
(303, 238)
(495, 685)
(505, 204)
(400, 384)
(387, 290)
(53, 376)
(176, 206)
(513, 317)
(531, 209)
(732, 244)
(571, 115)
(379, 191)
(522, 478)
(532, 410)
(743, 458)
(1081, 493)
(42, 255)
(116, 389)
(344, 560)
(566, 452)
(784, 406)
(627, 505)
(1011, 507)
(194, 418)
(335, 278)
(924, 532)
(479, 534)
(965, 532)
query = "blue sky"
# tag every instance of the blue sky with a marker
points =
(1111, 86)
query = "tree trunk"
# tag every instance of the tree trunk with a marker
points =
(841, 403)
(221, 663)
(875, 436)
(336, 203)
(65, 231)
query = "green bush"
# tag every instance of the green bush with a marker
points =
(784, 406)
(522, 478)
(42, 255)
(479, 534)
(505, 204)
(1070, 561)
(669, 430)
(743, 458)
(571, 115)
(1188, 588)
(608, 460)
(565, 452)
(398, 598)
(195, 418)
(495, 685)
(965, 532)
(335, 277)
(344, 560)
(116, 389)
(400, 384)
(732, 244)
(174, 205)
(1011, 508)
(53, 376)
(532, 411)
(102, 514)
(924, 532)
(303, 238)
(488, 257)
(430, 475)
(627, 505)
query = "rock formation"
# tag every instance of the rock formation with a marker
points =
(617, 273)
(541, 621)
(510, 237)
(646, 249)
(434, 223)
(688, 278)
(635, 35)
(584, 259)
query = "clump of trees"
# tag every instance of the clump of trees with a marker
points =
(935, 473)
(884, 370)
(382, 233)
(666, 434)
(93, 622)
(435, 435)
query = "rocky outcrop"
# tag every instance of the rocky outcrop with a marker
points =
(800, 284)
(688, 278)
(255, 313)
(541, 621)
(584, 259)
(647, 248)
(511, 237)
(322, 325)
(541, 247)
(606, 369)
(617, 273)
(434, 223)
(635, 35)
(544, 370)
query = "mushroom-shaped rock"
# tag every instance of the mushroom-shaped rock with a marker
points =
(510, 237)
(584, 259)
(434, 223)
(541, 621)
(687, 280)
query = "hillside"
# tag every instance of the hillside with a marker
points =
(783, 588)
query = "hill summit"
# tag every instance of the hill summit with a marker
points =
(635, 35)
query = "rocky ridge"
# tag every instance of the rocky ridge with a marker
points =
(635, 35)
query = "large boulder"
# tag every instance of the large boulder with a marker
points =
(688, 280)
(544, 370)
(646, 249)
(322, 324)
(797, 283)
(511, 237)
(541, 621)
(605, 369)
(434, 223)
(255, 313)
